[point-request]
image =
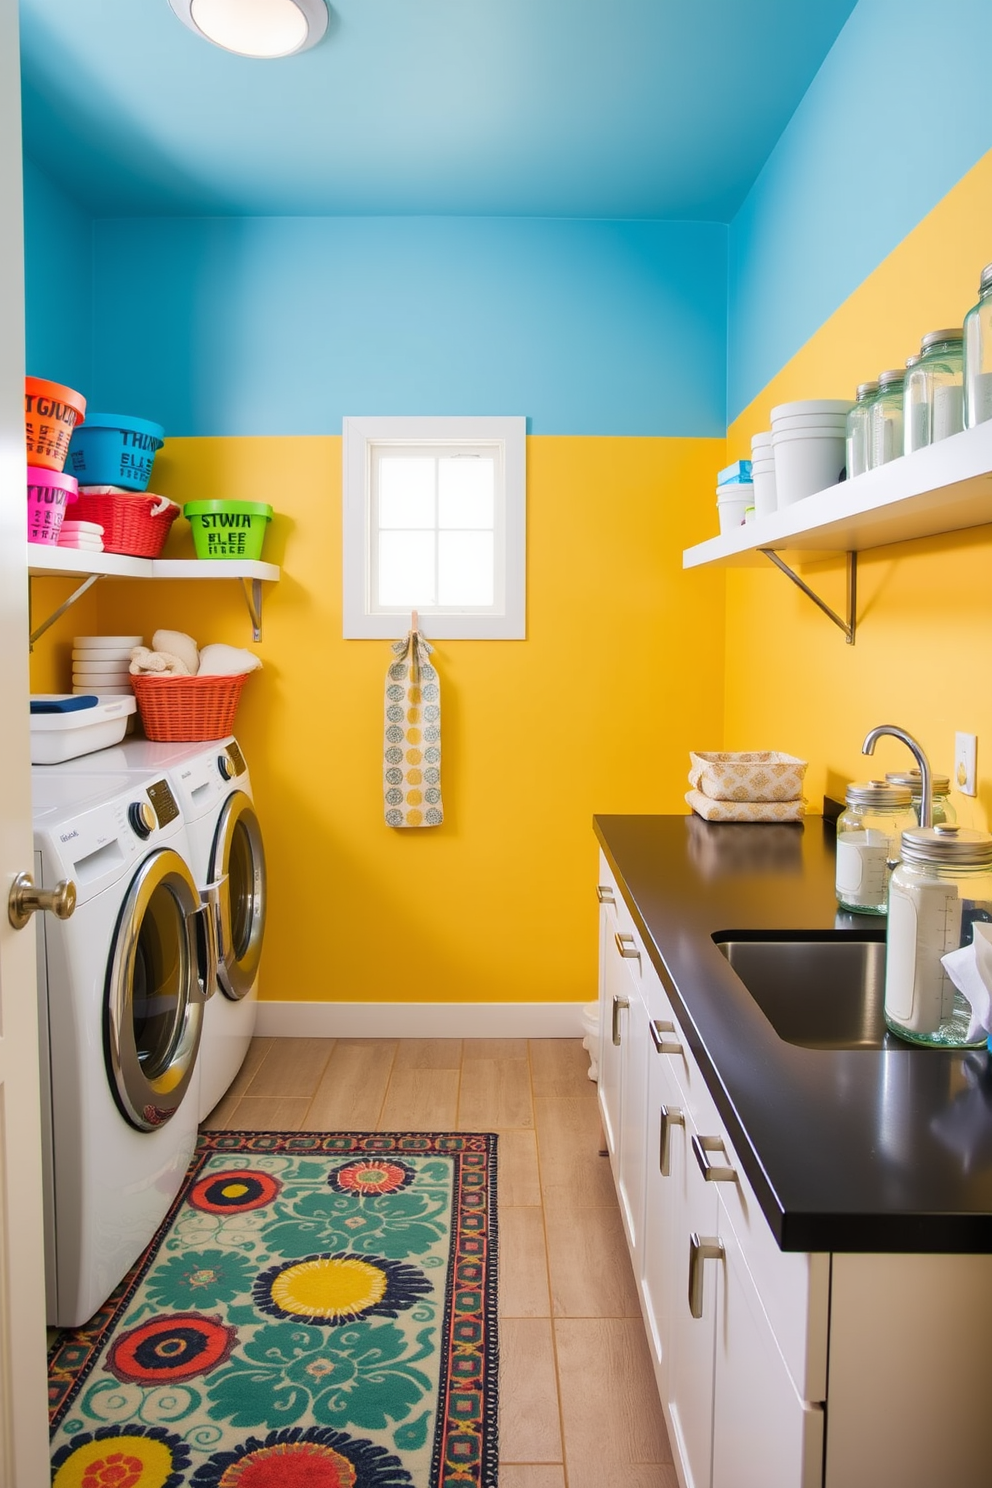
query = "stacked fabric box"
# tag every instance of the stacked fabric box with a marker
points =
(758, 786)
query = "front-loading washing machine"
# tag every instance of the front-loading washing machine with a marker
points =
(121, 996)
(213, 787)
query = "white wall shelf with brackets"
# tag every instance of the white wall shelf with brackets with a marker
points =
(944, 488)
(54, 562)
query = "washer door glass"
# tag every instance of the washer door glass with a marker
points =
(154, 1007)
(238, 863)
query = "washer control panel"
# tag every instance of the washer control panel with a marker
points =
(236, 757)
(164, 802)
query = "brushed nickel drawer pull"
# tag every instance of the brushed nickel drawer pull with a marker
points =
(619, 1003)
(701, 1248)
(712, 1172)
(605, 894)
(662, 1044)
(670, 1116)
(627, 946)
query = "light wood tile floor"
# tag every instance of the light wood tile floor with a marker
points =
(578, 1404)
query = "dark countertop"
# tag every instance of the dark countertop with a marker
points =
(847, 1150)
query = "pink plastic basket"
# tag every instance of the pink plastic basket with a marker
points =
(49, 492)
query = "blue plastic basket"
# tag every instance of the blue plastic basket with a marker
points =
(113, 449)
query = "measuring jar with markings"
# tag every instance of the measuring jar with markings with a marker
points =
(940, 888)
(868, 833)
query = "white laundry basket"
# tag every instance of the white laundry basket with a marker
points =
(590, 1026)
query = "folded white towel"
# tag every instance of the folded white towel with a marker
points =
(177, 643)
(156, 663)
(219, 660)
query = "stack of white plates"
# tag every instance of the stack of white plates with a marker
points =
(100, 663)
(87, 536)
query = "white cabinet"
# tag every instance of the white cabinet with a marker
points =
(623, 1062)
(764, 1435)
(742, 1370)
(735, 1385)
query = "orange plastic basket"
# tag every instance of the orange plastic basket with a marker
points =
(179, 710)
(131, 524)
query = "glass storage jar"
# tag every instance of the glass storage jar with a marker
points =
(885, 418)
(978, 355)
(857, 430)
(868, 833)
(933, 391)
(940, 785)
(941, 886)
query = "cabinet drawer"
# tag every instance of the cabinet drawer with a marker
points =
(794, 1286)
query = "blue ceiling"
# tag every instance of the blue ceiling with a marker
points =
(563, 108)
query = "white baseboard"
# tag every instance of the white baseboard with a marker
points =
(419, 1019)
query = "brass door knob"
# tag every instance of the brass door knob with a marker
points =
(25, 899)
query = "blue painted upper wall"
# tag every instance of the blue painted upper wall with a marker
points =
(232, 326)
(849, 178)
(58, 287)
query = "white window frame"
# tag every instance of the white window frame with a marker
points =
(508, 623)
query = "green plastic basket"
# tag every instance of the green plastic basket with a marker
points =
(228, 529)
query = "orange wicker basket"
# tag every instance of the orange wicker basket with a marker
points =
(136, 525)
(185, 709)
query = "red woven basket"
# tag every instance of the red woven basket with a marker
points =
(131, 524)
(179, 710)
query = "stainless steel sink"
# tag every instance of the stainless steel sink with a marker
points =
(820, 991)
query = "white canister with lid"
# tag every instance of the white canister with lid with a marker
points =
(868, 834)
(939, 890)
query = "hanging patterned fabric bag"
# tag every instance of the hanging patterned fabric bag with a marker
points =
(412, 749)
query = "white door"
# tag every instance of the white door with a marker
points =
(23, 1386)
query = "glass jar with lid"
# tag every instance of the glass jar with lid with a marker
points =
(868, 832)
(939, 890)
(885, 418)
(933, 393)
(943, 811)
(978, 355)
(857, 430)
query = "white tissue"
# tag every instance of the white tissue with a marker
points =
(970, 969)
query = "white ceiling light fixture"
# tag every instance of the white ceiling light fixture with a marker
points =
(256, 28)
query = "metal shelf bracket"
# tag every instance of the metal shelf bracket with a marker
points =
(67, 604)
(849, 625)
(253, 599)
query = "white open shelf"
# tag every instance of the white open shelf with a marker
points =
(942, 488)
(55, 562)
(49, 562)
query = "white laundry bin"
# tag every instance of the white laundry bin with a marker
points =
(590, 1028)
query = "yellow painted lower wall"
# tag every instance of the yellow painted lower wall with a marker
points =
(924, 637)
(621, 674)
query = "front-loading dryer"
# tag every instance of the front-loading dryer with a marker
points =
(121, 987)
(227, 853)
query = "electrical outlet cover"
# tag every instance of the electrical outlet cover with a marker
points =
(965, 754)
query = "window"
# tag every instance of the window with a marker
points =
(434, 521)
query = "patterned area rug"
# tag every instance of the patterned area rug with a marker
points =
(317, 1311)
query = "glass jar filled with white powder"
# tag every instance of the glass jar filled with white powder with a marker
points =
(868, 833)
(933, 394)
(940, 889)
(978, 355)
(885, 438)
(857, 430)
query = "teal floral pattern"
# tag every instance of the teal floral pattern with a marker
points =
(287, 1373)
(356, 1369)
(201, 1278)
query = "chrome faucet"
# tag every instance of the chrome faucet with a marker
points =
(868, 747)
